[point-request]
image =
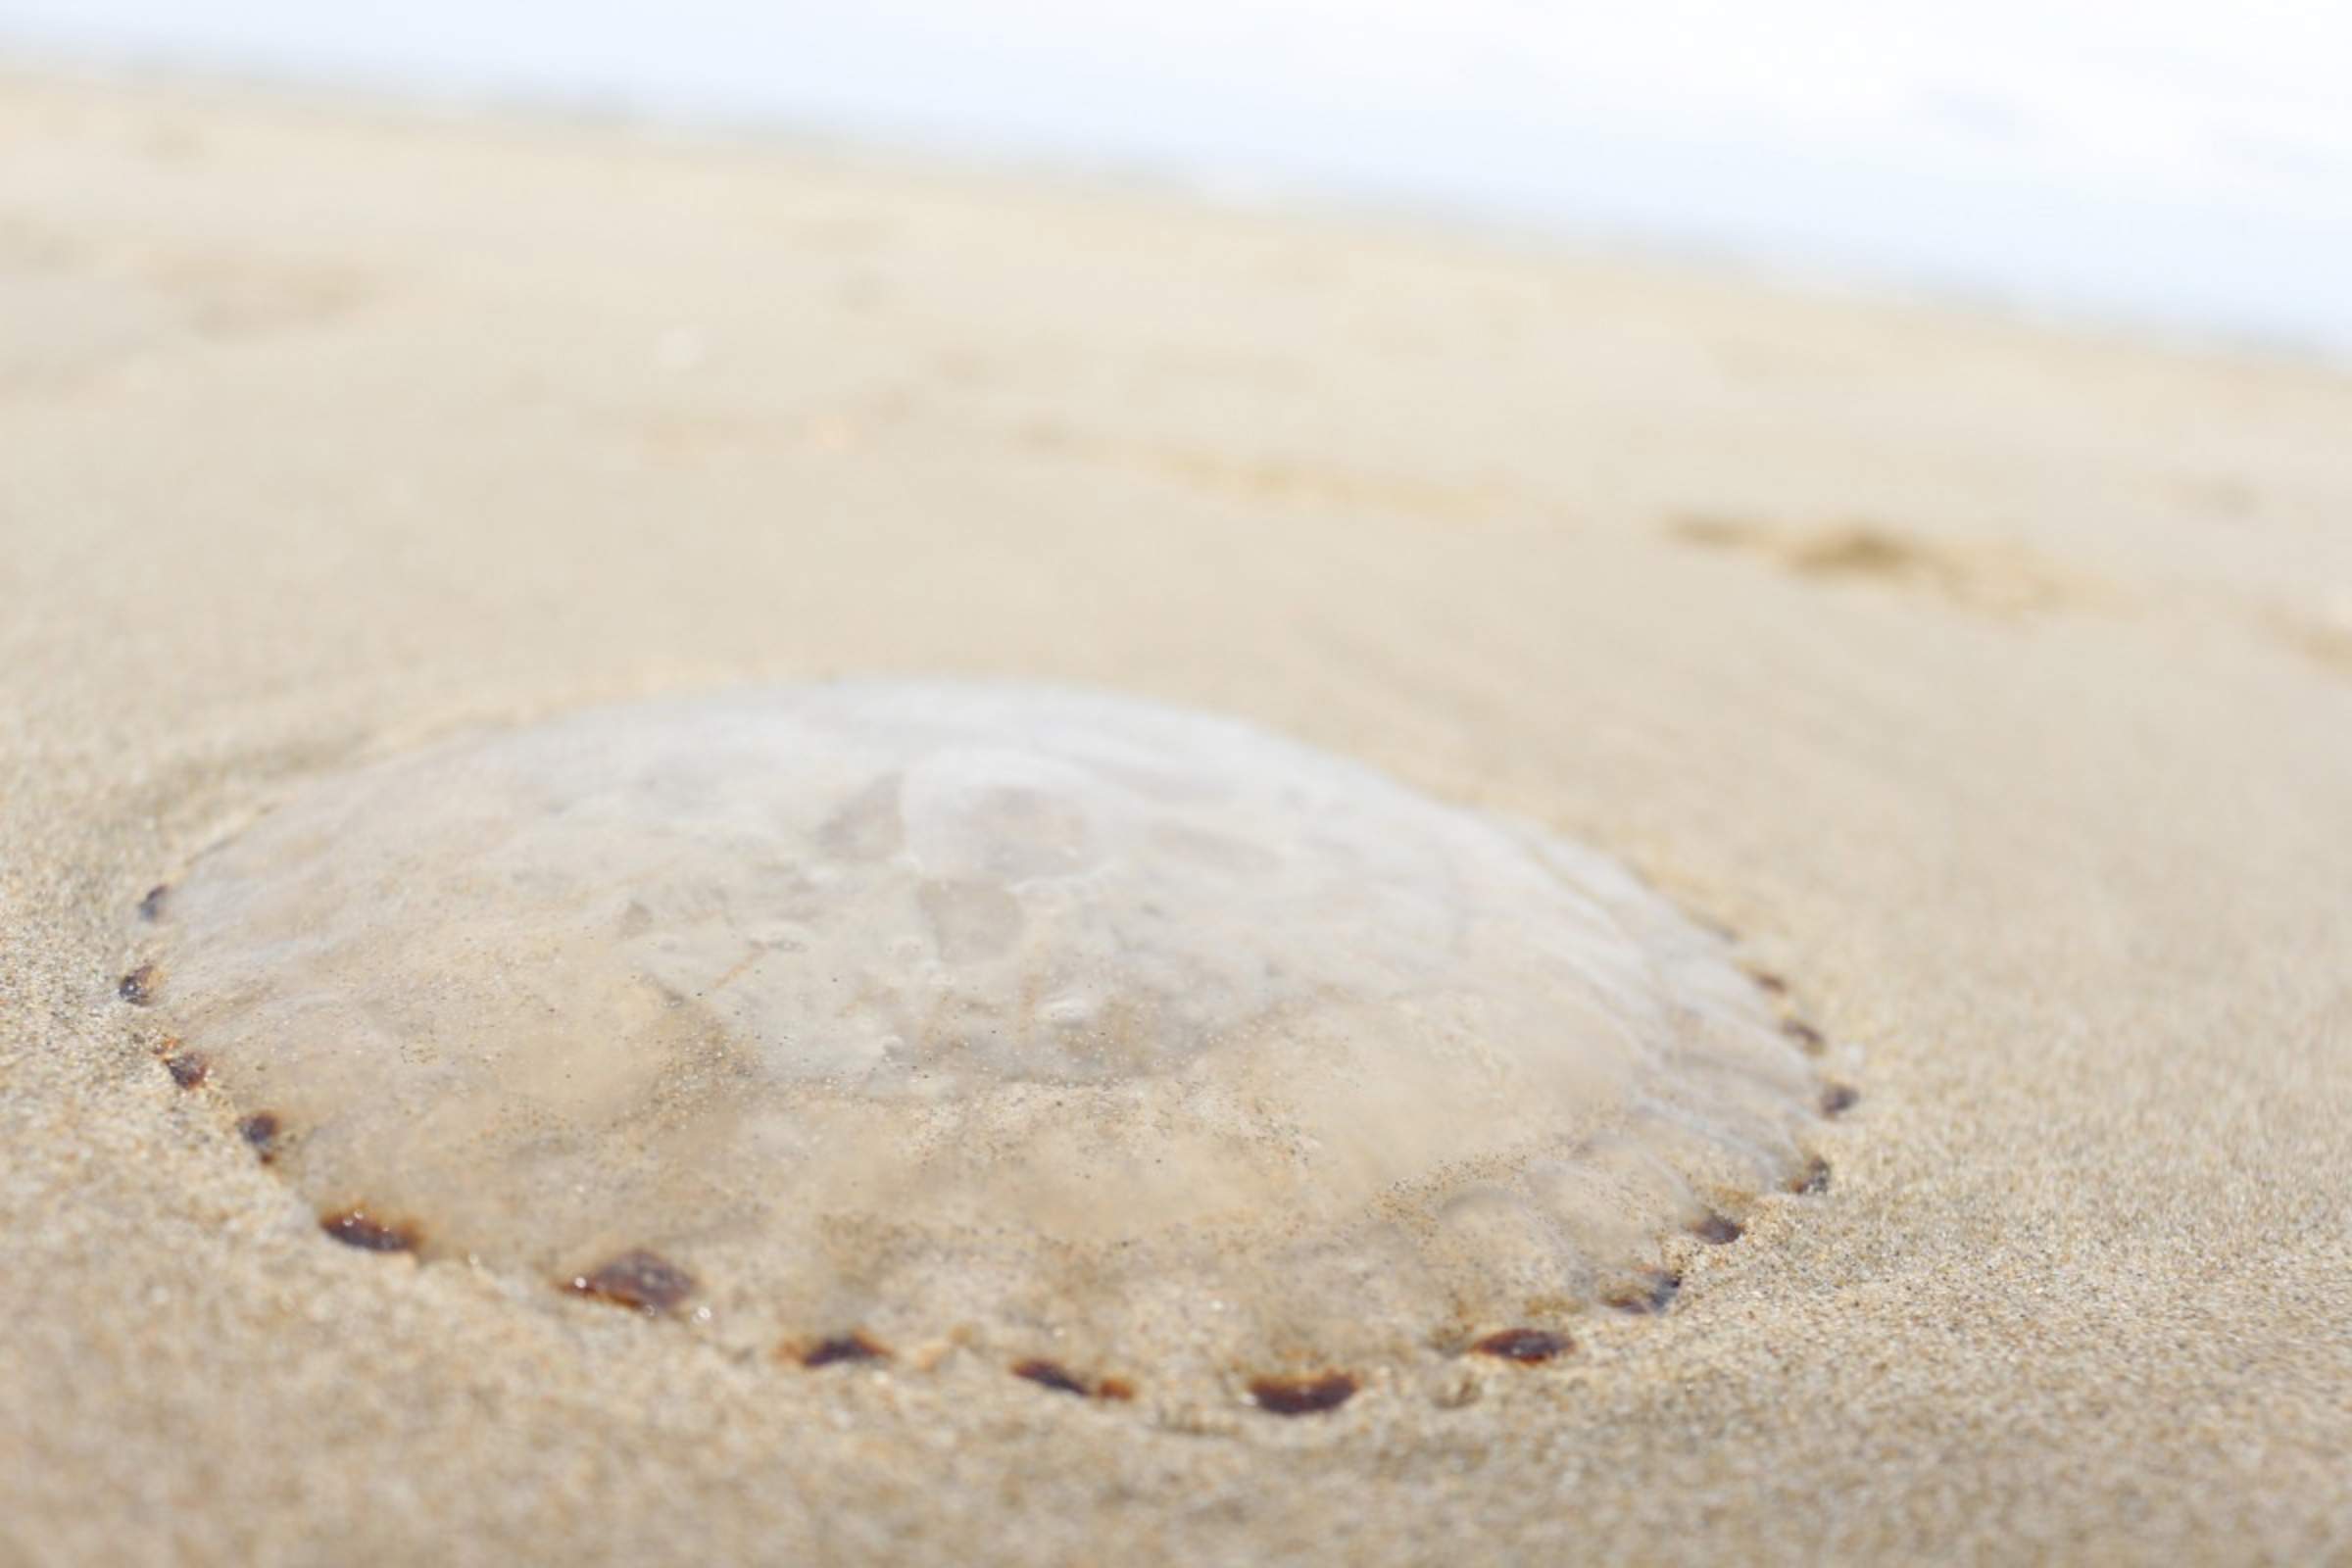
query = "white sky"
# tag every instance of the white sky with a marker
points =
(2186, 164)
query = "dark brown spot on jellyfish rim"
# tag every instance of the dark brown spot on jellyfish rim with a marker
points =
(1524, 1345)
(851, 1347)
(187, 1068)
(1808, 1038)
(1302, 1395)
(1717, 1231)
(1814, 1178)
(138, 987)
(1838, 1098)
(356, 1227)
(261, 1131)
(1770, 984)
(1049, 1375)
(1062, 1380)
(151, 907)
(1646, 1297)
(642, 1281)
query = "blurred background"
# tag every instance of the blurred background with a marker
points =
(2170, 165)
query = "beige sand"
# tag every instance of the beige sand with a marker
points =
(1996, 687)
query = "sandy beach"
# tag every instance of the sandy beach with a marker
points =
(1994, 685)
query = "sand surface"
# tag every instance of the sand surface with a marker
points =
(1996, 687)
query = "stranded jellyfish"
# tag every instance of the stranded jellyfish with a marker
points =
(1024, 1019)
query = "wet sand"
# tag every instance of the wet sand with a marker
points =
(1994, 685)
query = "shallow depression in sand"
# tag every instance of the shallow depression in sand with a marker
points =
(1042, 1022)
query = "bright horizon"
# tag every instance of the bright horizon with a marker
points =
(2145, 165)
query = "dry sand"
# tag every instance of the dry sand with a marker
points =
(1995, 686)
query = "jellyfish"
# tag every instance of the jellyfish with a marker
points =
(1060, 1026)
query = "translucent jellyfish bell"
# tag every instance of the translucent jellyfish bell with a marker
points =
(1016, 1018)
